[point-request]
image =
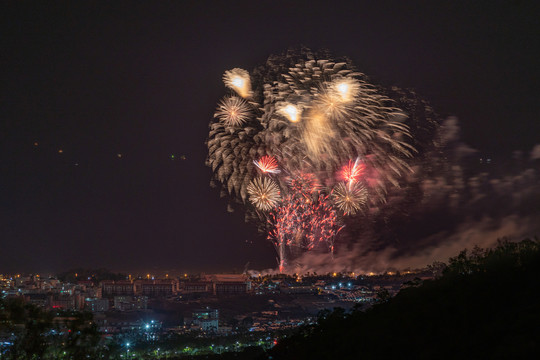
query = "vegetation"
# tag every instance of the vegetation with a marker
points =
(94, 275)
(486, 305)
(34, 333)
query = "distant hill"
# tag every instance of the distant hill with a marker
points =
(486, 305)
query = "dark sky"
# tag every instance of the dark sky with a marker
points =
(142, 79)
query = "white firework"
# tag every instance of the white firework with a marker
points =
(233, 111)
(345, 89)
(238, 80)
(290, 111)
(263, 193)
(349, 197)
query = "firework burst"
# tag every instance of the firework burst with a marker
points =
(233, 111)
(349, 197)
(267, 164)
(263, 193)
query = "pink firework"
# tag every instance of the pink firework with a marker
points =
(352, 171)
(267, 164)
(324, 225)
(305, 219)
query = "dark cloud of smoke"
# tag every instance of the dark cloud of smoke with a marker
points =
(455, 199)
(535, 153)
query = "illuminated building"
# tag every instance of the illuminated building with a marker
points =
(97, 305)
(64, 302)
(197, 287)
(207, 319)
(129, 303)
(229, 284)
(117, 288)
(156, 288)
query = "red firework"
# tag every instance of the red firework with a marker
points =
(267, 164)
(305, 218)
(352, 171)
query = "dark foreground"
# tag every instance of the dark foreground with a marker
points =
(485, 306)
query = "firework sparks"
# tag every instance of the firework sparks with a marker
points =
(352, 171)
(329, 104)
(305, 220)
(233, 111)
(263, 193)
(350, 197)
(267, 164)
(238, 80)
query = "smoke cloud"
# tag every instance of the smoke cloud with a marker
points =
(455, 199)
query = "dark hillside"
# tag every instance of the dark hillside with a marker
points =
(486, 305)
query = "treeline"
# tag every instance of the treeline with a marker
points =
(486, 305)
(29, 332)
(94, 275)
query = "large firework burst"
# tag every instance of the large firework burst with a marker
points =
(300, 118)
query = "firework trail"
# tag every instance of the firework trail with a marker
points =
(304, 141)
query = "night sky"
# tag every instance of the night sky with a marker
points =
(125, 90)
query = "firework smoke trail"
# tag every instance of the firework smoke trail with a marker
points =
(298, 120)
